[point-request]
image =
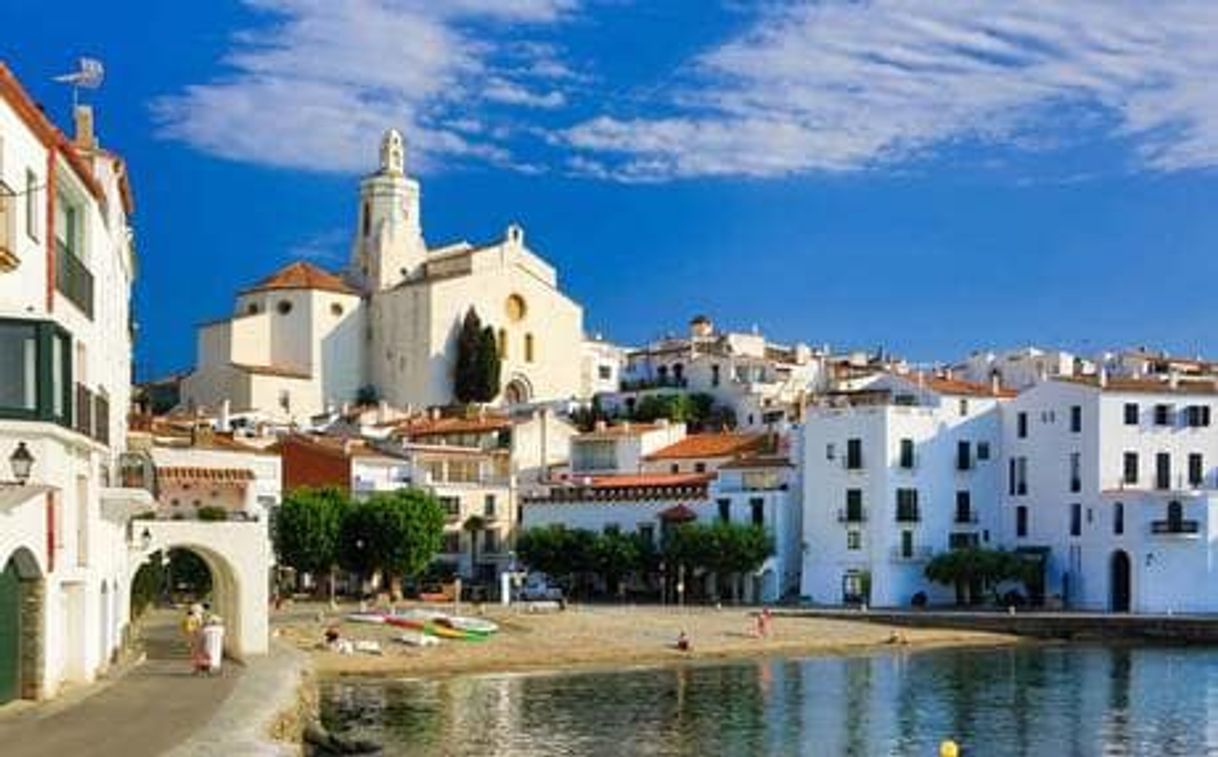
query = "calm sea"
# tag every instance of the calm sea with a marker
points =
(1028, 700)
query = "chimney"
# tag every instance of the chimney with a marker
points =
(222, 423)
(83, 117)
(1102, 376)
(995, 383)
(1173, 378)
(382, 412)
(434, 414)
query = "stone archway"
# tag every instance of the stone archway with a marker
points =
(22, 597)
(518, 391)
(237, 555)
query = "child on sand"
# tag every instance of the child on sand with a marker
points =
(683, 644)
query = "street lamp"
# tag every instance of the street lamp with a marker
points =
(22, 462)
(146, 539)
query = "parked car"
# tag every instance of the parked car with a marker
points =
(537, 588)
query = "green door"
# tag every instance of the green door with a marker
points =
(10, 633)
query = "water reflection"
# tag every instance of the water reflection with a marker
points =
(1062, 700)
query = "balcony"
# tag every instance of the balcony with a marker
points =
(92, 416)
(660, 382)
(853, 463)
(73, 279)
(1175, 527)
(965, 518)
(912, 554)
(908, 515)
(852, 515)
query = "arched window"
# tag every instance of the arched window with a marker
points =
(503, 350)
(1118, 519)
(528, 348)
(252, 309)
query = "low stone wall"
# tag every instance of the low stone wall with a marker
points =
(1183, 629)
(252, 719)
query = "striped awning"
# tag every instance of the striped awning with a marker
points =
(190, 473)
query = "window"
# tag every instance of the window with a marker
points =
(488, 506)
(757, 506)
(983, 450)
(1196, 469)
(452, 507)
(907, 506)
(830, 451)
(252, 309)
(515, 308)
(1163, 415)
(1175, 516)
(725, 510)
(907, 546)
(647, 533)
(1131, 413)
(964, 455)
(366, 219)
(1076, 519)
(674, 468)
(907, 454)
(854, 505)
(1076, 472)
(854, 539)
(1197, 415)
(35, 371)
(31, 205)
(1130, 474)
(503, 344)
(964, 507)
(604, 372)
(1021, 425)
(699, 467)
(963, 407)
(1021, 521)
(715, 375)
(1017, 476)
(490, 541)
(1163, 470)
(336, 309)
(1076, 419)
(284, 307)
(1118, 519)
(528, 348)
(1011, 477)
(854, 454)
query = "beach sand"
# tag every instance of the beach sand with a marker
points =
(598, 636)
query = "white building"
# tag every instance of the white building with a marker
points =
(304, 340)
(764, 490)
(1113, 481)
(66, 270)
(893, 472)
(622, 447)
(601, 367)
(761, 382)
(1022, 368)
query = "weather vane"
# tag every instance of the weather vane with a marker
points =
(88, 76)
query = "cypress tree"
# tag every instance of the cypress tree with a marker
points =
(488, 365)
(467, 385)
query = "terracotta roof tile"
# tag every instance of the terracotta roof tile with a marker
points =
(423, 426)
(710, 445)
(638, 480)
(1145, 385)
(750, 463)
(302, 275)
(959, 387)
(620, 430)
(211, 475)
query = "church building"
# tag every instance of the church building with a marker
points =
(304, 340)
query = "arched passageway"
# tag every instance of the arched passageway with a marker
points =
(1119, 582)
(238, 562)
(22, 592)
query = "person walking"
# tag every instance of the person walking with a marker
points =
(192, 625)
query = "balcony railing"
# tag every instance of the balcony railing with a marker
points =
(908, 515)
(913, 554)
(667, 382)
(966, 517)
(92, 416)
(1172, 527)
(851, 515)
(73, 280)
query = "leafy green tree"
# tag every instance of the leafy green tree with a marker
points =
(489, 365)
(614, 556)
(972, 570)
(211, 513)
(564, 554)
(307, 526)
(467, 385)
(397, 533)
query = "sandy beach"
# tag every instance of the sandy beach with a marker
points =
(598, 636)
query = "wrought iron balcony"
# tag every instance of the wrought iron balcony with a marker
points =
(851, 515)
(73, 279)
(1172, 527)
(966, 517)
(918, 553)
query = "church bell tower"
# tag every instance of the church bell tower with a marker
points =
(388, 247)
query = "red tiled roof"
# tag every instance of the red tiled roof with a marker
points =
(416, 427)
(709, 445)
(1144, 385)
(637, 480)
(959, 387)
(302, 275)
(314, 463)
(211, 475)
(272, 370)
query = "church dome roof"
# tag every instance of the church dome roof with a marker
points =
(302, 275)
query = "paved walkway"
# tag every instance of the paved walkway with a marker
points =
(150, 710)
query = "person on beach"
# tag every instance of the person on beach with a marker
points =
(683, 644)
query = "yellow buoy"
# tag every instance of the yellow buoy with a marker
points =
(949, 748)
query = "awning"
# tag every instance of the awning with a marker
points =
(193, 474)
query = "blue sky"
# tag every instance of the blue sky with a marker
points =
(916, 175)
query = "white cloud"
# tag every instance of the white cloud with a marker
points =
(326, 247)
(316, 82)
(844, 85)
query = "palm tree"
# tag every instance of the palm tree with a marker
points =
(473, 525)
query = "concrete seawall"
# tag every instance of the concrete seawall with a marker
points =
(1180, 629)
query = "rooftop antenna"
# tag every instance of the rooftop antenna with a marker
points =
(88, 76)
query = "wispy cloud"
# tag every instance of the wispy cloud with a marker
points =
(326, 247)
(316, 81)
(843, 85)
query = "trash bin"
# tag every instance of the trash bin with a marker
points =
(213, 645)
